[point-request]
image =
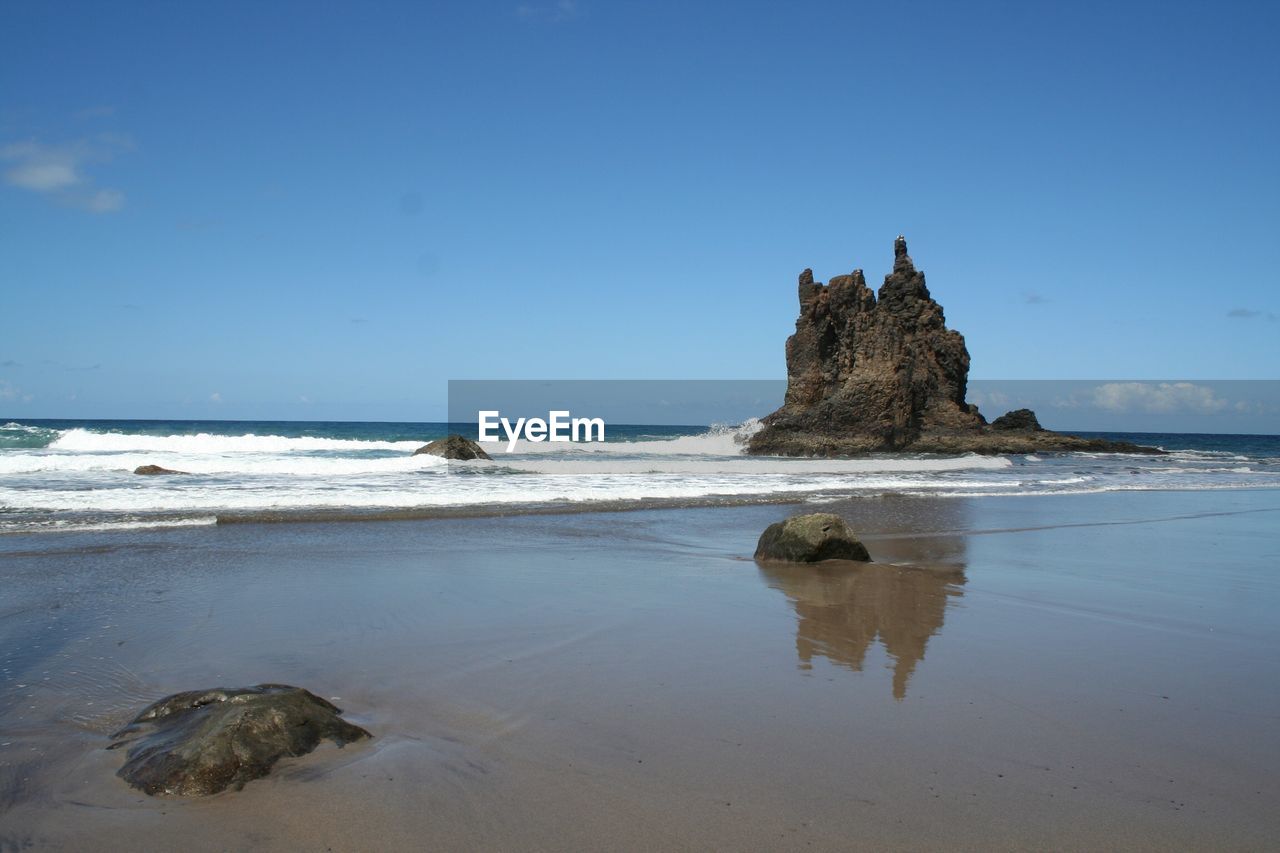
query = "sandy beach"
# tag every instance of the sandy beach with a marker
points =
(1052, 672)
(560, 425)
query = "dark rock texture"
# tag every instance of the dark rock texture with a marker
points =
(1023, 419)
(204, 741)
(810, 539)
(454, 447)
(871, 372)
(151, 470)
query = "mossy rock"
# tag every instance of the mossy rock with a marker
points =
(204, 741)
(810, 539)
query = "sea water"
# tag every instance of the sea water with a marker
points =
(76, 475)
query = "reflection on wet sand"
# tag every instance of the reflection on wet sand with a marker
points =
(842, 608)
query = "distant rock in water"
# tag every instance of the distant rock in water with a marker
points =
(204, 741)
(810, 539)
(1023, 419)
(871, 372)
(454, 447)
(150, 470)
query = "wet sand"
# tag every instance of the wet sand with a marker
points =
(1056, 672)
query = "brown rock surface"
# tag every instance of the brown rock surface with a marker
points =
(1018, 419)
(810, 538)
(454, 447)
(871, 372)
(203, 741)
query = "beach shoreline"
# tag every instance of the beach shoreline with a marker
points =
(80, 476)
(1075, 671)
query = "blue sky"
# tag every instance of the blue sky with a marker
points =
(275, 210)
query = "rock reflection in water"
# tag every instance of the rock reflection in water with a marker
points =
(842, 608)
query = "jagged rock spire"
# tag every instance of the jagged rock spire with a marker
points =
(868, 372)
(808, 290)
(901, 260)
(876, 371)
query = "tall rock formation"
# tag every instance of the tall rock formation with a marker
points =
(882, 372)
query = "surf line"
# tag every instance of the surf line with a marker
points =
(558, 426)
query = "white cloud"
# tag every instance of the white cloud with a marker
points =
(992, 399)
(11, 393)
(215, 397)
(58, 171)
(42, 177)
(1256, 407)
(561, 10)
(104, 201)
(1163, 397)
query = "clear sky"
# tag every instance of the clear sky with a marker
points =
(326, 210)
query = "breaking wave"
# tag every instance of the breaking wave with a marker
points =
(78, 476)
(88, 441)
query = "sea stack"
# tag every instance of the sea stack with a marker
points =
(874, 372)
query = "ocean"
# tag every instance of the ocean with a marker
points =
(77, 474)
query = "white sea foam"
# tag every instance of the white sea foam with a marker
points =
(255, 464)
(78, 526)
(82, 440)
(14, 426)
(470, 492)
(754, 465)
(83, 480)
(259, 464)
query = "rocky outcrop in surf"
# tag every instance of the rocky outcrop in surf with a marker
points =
(154, 470)
(1019, 419)
(870, 371)
(453, 447)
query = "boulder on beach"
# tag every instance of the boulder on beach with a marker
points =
(1023, 419)
(150, 470)
(810, 539)
(203, 741)
(454, 447)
